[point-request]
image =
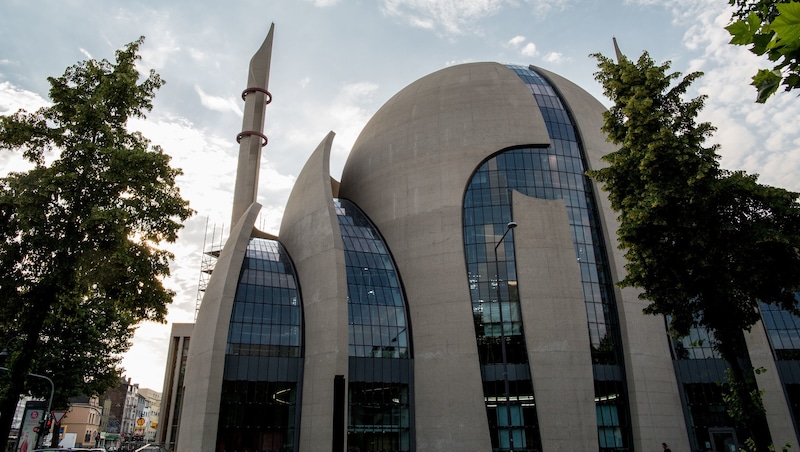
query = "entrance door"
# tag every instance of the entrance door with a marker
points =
(723, 439)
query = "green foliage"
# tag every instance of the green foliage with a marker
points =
(81, 262)
(704, 244)
(750, 446)
(771, 28)
(741, 410)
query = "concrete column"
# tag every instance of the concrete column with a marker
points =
(774, 397)
(554, 316)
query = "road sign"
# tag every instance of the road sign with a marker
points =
(58, 415)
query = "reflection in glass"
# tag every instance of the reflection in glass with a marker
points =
(380, 367)
(263, 359)
(552, 172)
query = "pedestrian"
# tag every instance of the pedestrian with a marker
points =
(666, 448)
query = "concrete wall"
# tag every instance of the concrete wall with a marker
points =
(554, 317)
(310, 233)
(774, 398)
(408, 171)
(179, 333)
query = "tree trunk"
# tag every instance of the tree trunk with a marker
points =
(8, 405)
(20, 366)
(56, 426)
(10, 397)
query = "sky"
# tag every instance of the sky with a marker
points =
(334, 63)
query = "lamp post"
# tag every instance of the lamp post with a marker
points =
(511, 225)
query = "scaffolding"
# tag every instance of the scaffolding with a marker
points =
(208, 260)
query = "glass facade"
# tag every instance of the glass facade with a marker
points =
(263, 358)
(699, 369)
(553, 172)
(380, 408)
(176, 372)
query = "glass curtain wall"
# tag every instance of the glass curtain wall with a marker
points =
(380, 409)
(176, 415)
(553, 172)
(699, 369)
(263, 358)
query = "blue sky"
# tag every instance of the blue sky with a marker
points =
(335, 62)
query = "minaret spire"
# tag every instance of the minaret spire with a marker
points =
(616, 49)
(251, 139)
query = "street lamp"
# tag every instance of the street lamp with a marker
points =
(511, 225)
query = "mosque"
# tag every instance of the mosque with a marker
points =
(454, 291)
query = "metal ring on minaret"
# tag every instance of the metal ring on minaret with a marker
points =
(245, 133)
(257, 90)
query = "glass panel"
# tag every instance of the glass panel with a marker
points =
(379, 409)
(783, 330)
(258, 413)
(376, 305)
(378, 417)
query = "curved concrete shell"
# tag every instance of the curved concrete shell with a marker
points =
(310, 233)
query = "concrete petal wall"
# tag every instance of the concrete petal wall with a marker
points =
(310, 233)
(774, 398)
(206, 362)
(655, 405)
(408, 171)
(554, 317)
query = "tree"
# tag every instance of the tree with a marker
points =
(704, 244)
(771, 28)
(80, 235)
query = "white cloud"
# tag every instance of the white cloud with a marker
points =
(461, 17)
(159, 47)
(648, 2)
(86, 53)
(757, 138)
(529, 50)
(324, 3)
(544, 7)
(217, 103)
(450, 17)
(555, 58)
(346, 114)
(516, 41)
(13, 99)
(197, 54)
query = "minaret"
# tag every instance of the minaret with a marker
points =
(251, 139)
(205, 366)
(619, 54)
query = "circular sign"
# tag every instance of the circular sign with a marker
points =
(140, 421)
